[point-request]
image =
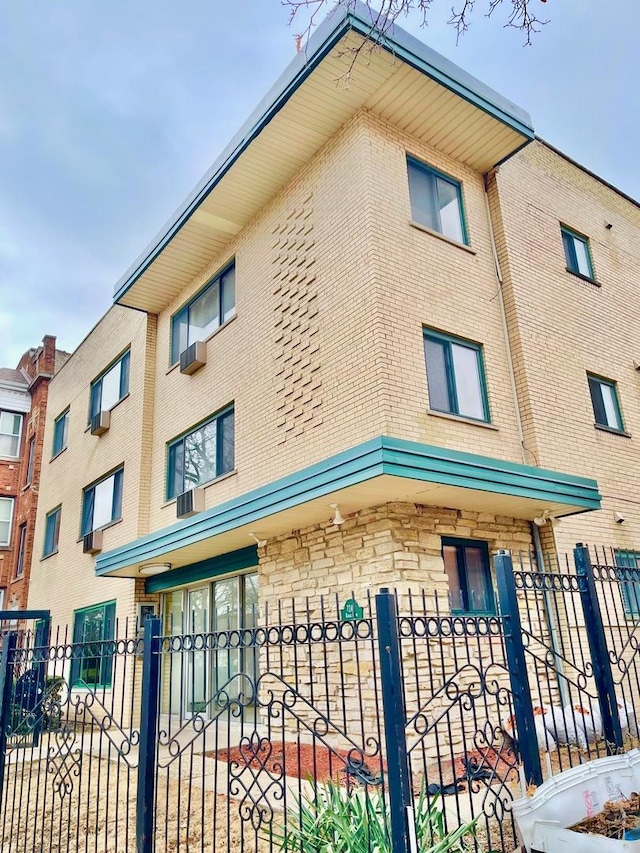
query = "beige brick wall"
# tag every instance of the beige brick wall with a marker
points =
(563, 327)
(65, 581)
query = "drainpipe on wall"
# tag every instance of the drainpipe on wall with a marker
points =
(553, 629)
(551, 622)
(503, 318)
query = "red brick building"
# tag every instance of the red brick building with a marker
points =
(23, 405)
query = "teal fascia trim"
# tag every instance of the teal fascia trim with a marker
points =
(397, 42)
(374, 458)
(234, 561)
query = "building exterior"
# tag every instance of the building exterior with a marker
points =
(23, 405)
(370, 350)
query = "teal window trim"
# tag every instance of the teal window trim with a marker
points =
(413, 162)
(234, 562)
(600, 413)
(60, 432)
(446, 341)
(95, 393)
(91, 652)
(460, 545)
(628, 564)
(88, 501)
(22, 547)
(52, 531)
(176, 482)
(182, 315)
(569, 239)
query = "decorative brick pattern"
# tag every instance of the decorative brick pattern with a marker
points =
(297, 325)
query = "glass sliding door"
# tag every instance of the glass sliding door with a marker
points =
(197, 688)
(226, 606)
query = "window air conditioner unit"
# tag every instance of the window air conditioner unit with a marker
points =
(193, 358)
(189, 503)
(100, 423)
(92, 542)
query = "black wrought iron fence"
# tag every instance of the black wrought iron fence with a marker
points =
(391, 716)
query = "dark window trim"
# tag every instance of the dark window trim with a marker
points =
(22, 547)
(56, 536)
(106, 660)
(64, 414)
(125, 352)
(92, 486)
(572, 261)
(483, 545)
(215, 278)
(426, 167)
(445, 337)
(174, 441)
(602, 380)
(31, 461)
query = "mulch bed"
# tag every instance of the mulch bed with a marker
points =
(300, 760)
(614, 820)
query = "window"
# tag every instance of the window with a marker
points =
(6, 515)
(10, 425)
(606, 408)
(111, 387)
(102, 502)
(228, 604)
(31, 459)
(213, 306)
(60, 430)
(201, 455)
(576, 251)
(436, 201)
(52, 532)
(22, 544)
(629, 581)
(455, 375)
(92, 663)
(466, 563)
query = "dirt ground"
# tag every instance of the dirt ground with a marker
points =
(96, 813)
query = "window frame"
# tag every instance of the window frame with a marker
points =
(570, 254)
(95, 397)
(482, 545)
(63, 418)
(12, 502)
(31, 456)
(632, 558)
(116, 500)
(447, 340)
(53, 516)
(174, 358)
(171, 492)
(454, 182)
(12, 435)
(610, 383)
(22, 547)
(106, 660)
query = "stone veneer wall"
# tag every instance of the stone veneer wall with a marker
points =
(396, 545)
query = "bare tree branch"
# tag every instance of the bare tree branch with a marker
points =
(520, 15)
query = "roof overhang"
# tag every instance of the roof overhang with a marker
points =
(399, 79)
(377, 472)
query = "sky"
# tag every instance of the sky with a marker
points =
(110, 112)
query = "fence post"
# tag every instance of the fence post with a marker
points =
(6, 698)
(148, 725)
(600, 660)
(42, 638)
(518, 675)
(393, 712)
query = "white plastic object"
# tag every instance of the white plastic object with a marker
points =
(543, 735)
(576, 723)
(569, 797)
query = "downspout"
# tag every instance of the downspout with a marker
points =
(551, 622)
(537, 544)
